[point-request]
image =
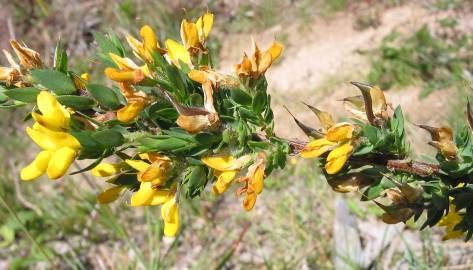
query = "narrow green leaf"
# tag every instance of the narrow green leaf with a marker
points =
(76, 102)
(27, 94)
(241, 97)
(104, 95)
(108, 138)
(54, 80)
(60, 58)
(259, 102)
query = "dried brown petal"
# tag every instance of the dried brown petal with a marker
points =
(349, 183)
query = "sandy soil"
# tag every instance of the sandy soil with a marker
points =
(320, 60)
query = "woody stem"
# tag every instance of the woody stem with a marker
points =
(418, 168)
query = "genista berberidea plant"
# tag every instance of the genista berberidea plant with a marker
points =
(174, 125)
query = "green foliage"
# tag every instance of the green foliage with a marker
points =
(439, 60)
(56, 81)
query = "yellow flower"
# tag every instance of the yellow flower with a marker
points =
(149, 194)
(155, 170)
(260, 61)
(170, 215)
(106, 169)
(450, 221)
(177, 52)
(53, 115)
(225, 169)
(136, 102)
(110, 195)
(253, 182)
(338, 141)
(144, 50)
(59, 148)
(205, 74)
(193, 35)
(128, 71)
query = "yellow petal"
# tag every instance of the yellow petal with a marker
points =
(85, 76)
(223, 181)
(189, 34)
(198, 76)
(148, 195)
(60, 162)
(316, 148)
(204, 25)
(138, 165)
(177, 52)
(265, 62)
(340, 132)
(54, 115)
(109, 195)
(170, 215)
(130, 111)
(150, 41)
(249, 201)
(275, 50)
(144, 195)
(125, 64)
(106, 169)
(36, 168)
(137, 47)
(244, 68)
(152, 157)
(51, 140)
(135, 76)
(219, 163)
(156, 173)
(256, 180)
(337, 158)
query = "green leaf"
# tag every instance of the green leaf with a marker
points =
(7, 236)
(259, 102)
(196, 181)
(104, 95)
(54, 80)
(109, 138)
(76, 102)
(90, 166)
(106, 45)
(27, 94)
(241, 97)
(60, 58)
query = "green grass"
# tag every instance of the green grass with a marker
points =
(436, 61)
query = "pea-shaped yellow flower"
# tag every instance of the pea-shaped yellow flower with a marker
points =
(259, 62)
(225, 169)
(144, 50)
(193, 36)
(136, 102)
(338, 141)
(128, 71)
(59, 147)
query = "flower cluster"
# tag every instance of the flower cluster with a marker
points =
(167, 125)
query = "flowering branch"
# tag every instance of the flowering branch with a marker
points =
(176, 125)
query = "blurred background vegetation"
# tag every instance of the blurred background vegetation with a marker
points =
(420, 52)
